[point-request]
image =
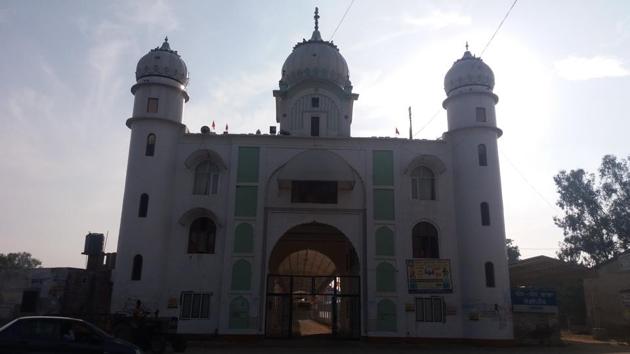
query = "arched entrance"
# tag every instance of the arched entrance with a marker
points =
(313, 285)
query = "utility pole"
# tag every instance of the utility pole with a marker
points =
(410, 134)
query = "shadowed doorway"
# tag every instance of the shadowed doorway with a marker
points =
(313, 284)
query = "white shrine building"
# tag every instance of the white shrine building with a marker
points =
(313, 231)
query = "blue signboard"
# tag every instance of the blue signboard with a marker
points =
(534, 300)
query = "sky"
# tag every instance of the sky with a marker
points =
(561, 69)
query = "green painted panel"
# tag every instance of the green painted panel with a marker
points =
(247, 171)
(241, 275)
(386, 316)
(384, 204)
(385, 278)
(246, 201)
(383, 167)
(244, 238)
(384, 241)
(239, 313)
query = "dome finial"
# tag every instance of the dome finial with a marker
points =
(316, 17)
(165, 45)
(466, 45)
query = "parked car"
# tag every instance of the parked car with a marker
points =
(51, 334)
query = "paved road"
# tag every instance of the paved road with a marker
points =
(356, 347)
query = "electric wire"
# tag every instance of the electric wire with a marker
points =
(341, 21)
(498, 28)
(428, 123)
(554, 208)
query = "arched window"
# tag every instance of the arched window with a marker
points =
(150, 149)
(206, 178)
(136, 269)
(425, 241)
(489, 267)
(143, 208)
(201, 236)
(483, 158)
(423, 184)
(485, 214)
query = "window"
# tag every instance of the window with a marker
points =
(485, 214)
(315, 102)
(194, 305)
(201, 236)
(322, 192)
(423, 184)
(430, 309)
(29, 301)
(206, 179)
(314, 126)
(143, 209)
(152, 105)
(136, 270)
(425, 241)
(150, 148)
(480, 113)
(481, 151)
(489, 268)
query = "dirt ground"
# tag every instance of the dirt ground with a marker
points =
(574, 344)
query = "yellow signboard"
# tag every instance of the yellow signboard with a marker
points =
(429, 275)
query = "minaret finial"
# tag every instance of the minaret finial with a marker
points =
(316, 17)
(466, 45)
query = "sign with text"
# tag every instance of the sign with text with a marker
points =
(534, 300)
(429, 275)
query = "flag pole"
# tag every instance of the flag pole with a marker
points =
(410, 135)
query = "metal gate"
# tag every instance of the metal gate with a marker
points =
(331, 304)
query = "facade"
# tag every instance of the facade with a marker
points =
(313, 231)
(607, 296)
(566, 279)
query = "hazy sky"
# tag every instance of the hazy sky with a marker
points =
(562, 76)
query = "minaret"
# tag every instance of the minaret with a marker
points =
(160, 94)
(315, 97)
(472, 135)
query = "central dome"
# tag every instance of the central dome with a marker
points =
(315, 59)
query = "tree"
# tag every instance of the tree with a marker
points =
(21, 260)
(513, 253)
(596, 220)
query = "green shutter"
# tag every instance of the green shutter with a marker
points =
(384, 204)
(246, 201)
(384, 242)
(386, 316)
(385, 278)
(383, 167)
(241, 275)
(247, 171)
(239, 313)
(244, 238)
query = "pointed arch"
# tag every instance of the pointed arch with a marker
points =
(424, 241)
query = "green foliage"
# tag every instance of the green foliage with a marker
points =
(596, 220)
(21, 260)
(513, 253)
